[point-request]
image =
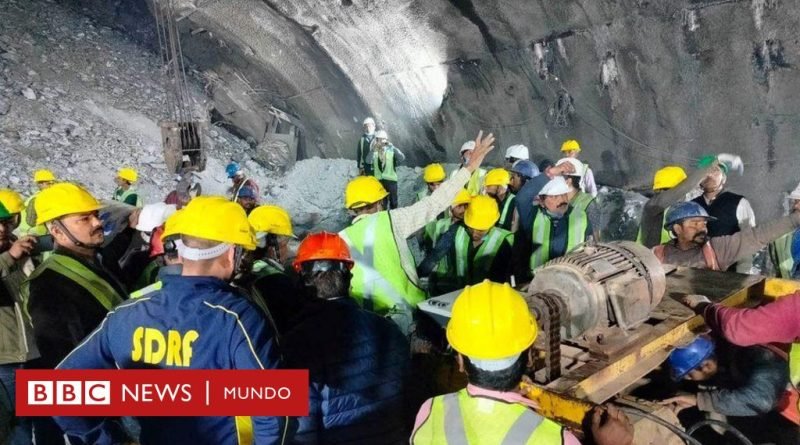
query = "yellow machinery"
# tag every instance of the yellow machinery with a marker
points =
(610, 314)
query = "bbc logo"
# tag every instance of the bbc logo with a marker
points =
(64, 392)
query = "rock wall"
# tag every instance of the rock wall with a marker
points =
(640, 83)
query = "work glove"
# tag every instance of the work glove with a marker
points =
(733, 162)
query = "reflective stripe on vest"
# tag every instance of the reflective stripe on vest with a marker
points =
(145, 291)
(542, 231)
(264, 269)
(460, 419)
(507, 207)
(388, 173)
(484, 257)
(129, 192)
(379, 280)
(582, 200)
(74, 270)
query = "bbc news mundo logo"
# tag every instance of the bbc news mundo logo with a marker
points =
(88, 393)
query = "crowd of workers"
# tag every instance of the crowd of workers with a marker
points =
(88, 284)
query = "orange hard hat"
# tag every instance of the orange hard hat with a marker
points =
(322, 246)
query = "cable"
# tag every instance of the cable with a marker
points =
(680, 433)
(742, 438)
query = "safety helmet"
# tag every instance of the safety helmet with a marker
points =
(467, 146)
(518, 151)
(232, 169)
(570, 145)
(684, 360)
(212, 218)
(322, 246)
(11, 200)
(154, 215)
(555, 187)
(463, 197)
(433, 173)
(685, 210)
(363, 191)
(578, 166)
(271, 219)
(381, 134)
(368, 120)
(668, 177)
(128, 174)
(246, 192)
(482, 213)
(63, 199)
(43, 176)
(707, 160)
(795, 194)
(497, 176)
(491, 321)
(4, 213)
(525, 168)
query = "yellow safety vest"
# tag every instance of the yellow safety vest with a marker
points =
(665, 235)
(388, 172)
(121, 195)
(484, 257)
(577, 222)
(379, 280)
(581, 200)
(780, 252)
(506, 214)
(461, 419)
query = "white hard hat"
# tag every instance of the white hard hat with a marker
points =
(154, 215)
(580, 167)
(795, 193)
(369, 120)
(556, 186)
(518, 151)
(467, 146)
(381, 134)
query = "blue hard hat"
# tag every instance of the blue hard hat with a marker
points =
(246, 192)
(232, 169)
(683, 360)
(525, 168)
(684, 210)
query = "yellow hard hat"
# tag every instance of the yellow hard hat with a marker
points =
(491, 321)
(11, 200)
(571, 145)
(497, 176)
(362, 191)
(63, 199)
(668, 177)
(463, 197)
(212, 218)
(128, 174)
(433, 173)
(482, 213)
(43, 176)
(271, 219)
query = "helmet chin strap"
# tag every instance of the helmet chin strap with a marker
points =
(72, 238)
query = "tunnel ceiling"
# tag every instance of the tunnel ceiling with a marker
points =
(640, 83)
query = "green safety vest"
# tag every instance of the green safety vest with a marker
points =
(507, 213)
(121, 195)
(388, 173)
(145, 291)
(794, 364)
(29, 227)
(379, 282)
(582, 200)
(459, 419)
(576, 234)
(422, 194)
(665, 235)
(484, 257)
(101, 290)
(263, 268)
(780, 252)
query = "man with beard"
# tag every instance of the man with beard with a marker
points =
(557, 228)
(70, 292)
(693, 247)
(785, 251)
(248, 199)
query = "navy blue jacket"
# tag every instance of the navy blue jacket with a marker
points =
(358, 366)
(231, 333)
(524, 201)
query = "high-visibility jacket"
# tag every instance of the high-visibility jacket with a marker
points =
(459, 418)
(780, 252)
(507, 212)
(582, 200)
(462, 274)
(665, 235)
(577, 225)
(379, 281)
(385, 172)
(27, 220)
(475, 184)
(434, 229)
(124, 196)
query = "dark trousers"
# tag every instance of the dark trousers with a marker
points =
(391, 187)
